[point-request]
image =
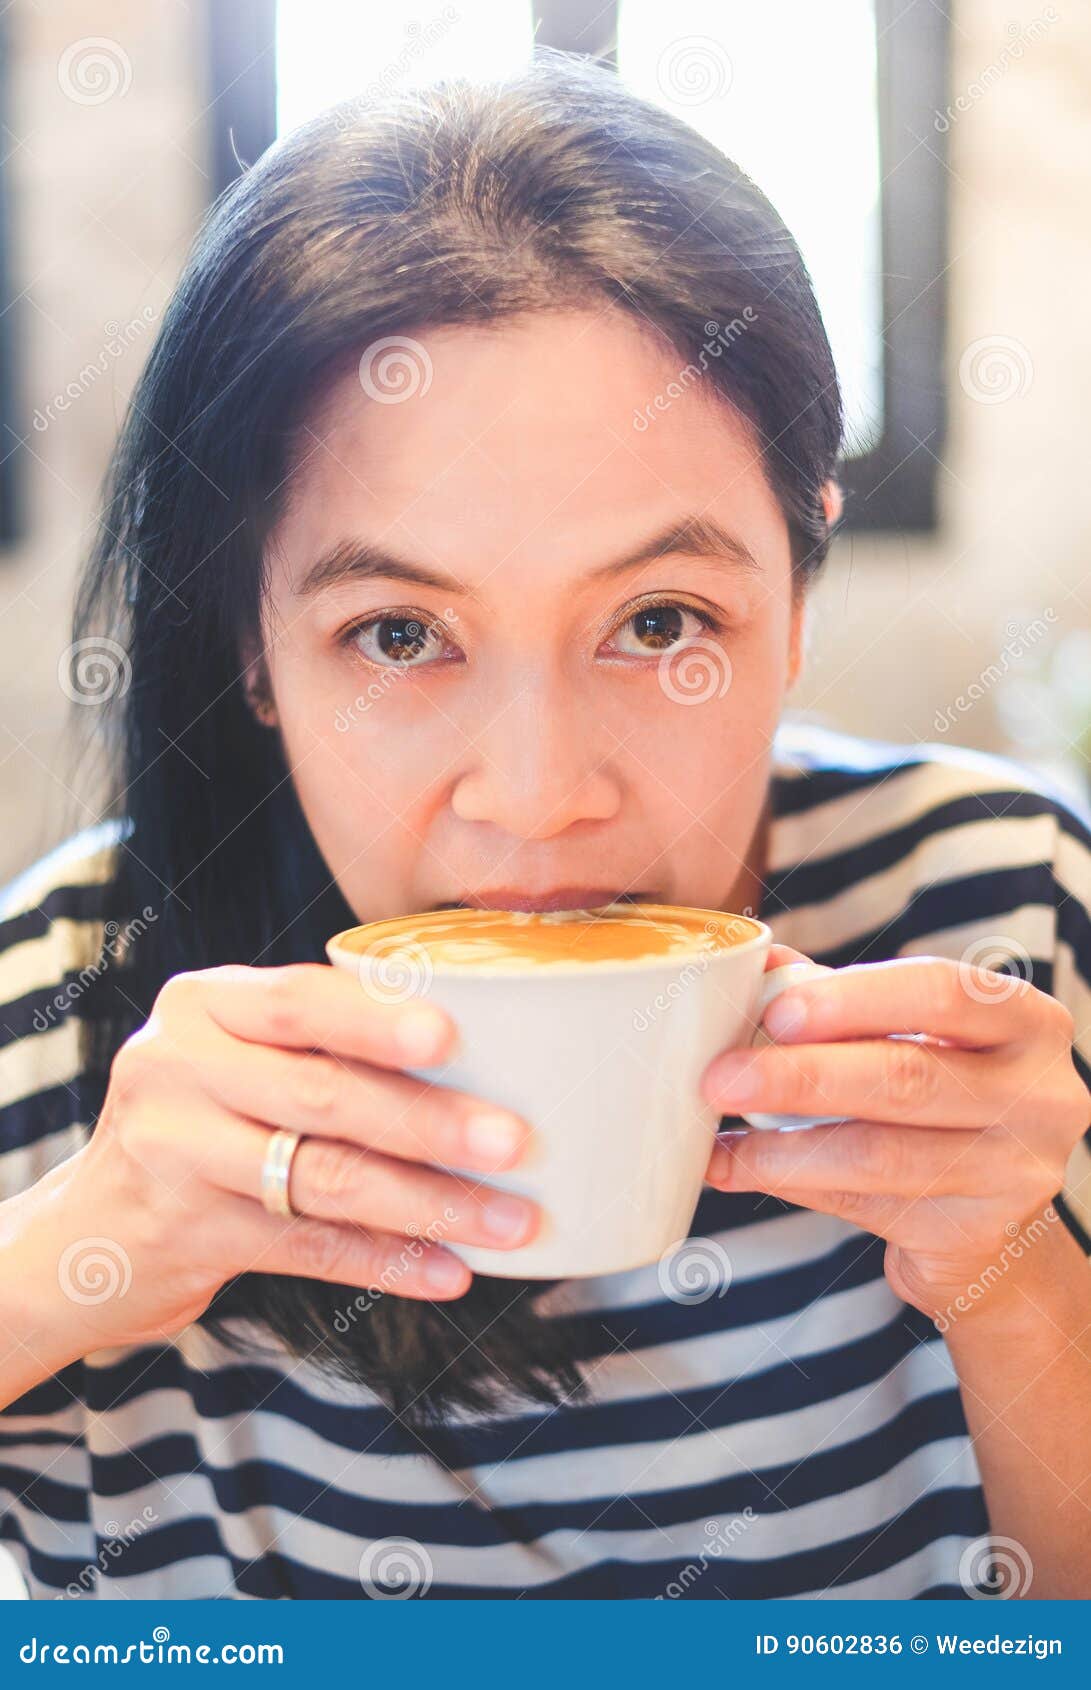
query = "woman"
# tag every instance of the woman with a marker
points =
(456, 552)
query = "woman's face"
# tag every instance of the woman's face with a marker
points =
(520, 650)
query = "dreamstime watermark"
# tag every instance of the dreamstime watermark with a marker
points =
(395, 368)
(116, 941)
(1044, 709)
(156, 1651)
(350, 714)
(693, 1270)
(93, 1270)
(1009, 54)
(411, 1252)
(94, 670)
(995, 368)
(693, 70)
(1018, 641)
(995, 1566)
(731, 931)
(1020, 1240)
(994, 968)
(420, 38)
(718, 340)
(721, 1536)
(394, 969)
(694, 671)
(675, 989)
(118, 339)
(397, 1567)
(93, 70)
(116, 1539)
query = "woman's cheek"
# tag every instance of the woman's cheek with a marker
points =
(711, 747)
(364, 768)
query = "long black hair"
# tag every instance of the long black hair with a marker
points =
(461, 203)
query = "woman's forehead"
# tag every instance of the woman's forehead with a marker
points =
(520, 446)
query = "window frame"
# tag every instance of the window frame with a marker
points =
(894, 486)
(13, 453)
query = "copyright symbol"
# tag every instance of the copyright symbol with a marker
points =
(919, 1645)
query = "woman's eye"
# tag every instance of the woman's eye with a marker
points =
(656, 628)
(400, 641)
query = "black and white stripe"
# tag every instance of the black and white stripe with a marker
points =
(801, 1435)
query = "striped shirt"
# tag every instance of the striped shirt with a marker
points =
(799, 1435)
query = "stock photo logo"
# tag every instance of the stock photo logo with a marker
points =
(693, 70)
(1019, 1237)
(994, 968)
(721, 1535)
(420, 39)
(94, 70)
(1018, 641)
(694, 1270)
(395, 1568)
(1012, 51)
(116, 942)
(648, 1013)
(719, 339)
(395, 368)
(393, 970)
(115, 1539)
(365, 1301)
(94, 670)
(694, 672)
(93, 1270)
(995, 368)
(995, 1566)
(350, 715)
(119, 338)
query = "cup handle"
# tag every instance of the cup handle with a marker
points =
(775, 981)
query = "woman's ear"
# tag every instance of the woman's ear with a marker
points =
(255, 681)
(797, 637)
(833, 502)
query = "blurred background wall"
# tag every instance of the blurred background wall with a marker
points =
(975, 634)
(104, 199)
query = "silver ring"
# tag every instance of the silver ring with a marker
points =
(276, 1172)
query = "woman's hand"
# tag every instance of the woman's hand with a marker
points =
(955, 1133)
(164, 1201)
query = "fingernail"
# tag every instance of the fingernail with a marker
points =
(785, 1015)
(443, 1270)
(421, 1032)
(735, 1079)
(506, 1217)
(719, 1165)
(492, 1137)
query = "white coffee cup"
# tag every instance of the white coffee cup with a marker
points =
(604, 1060)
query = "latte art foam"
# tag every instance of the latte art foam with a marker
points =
(526, 940)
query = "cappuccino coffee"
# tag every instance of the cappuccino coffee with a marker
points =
(595, 1026)
(520, 941)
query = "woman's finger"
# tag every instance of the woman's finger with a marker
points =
(895, 1080)
(337, 1097)
(863, 1156)
(307, 1006)
(968, 1006)
(342, 1255)
(335, 1181)
(779, 956)
(886, 1217)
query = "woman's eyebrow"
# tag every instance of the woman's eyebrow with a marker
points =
(689, 536)
(355, 560)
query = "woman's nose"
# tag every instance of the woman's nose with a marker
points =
(535, 770)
